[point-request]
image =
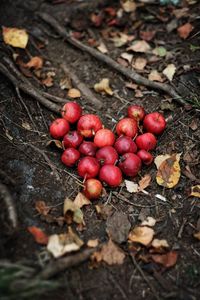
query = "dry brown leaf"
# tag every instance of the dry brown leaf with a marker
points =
(93, 243)
(110, 254)
(144, 182)
(65, 83)
(195, 191)
(155, 76)
(169, 171)
(168, 260)
(159, 159)
(129, 6)
(169, 71)
(197, 235)
(104, 210)
(131, 186)
(59, 244)
(26, 125)
(142, 235)
(15, 37)
(48, 82)
(118, 226)
(72, 212)
(156, 243)
(149, 222)
(194, 124)
(57, 143)
(127, 56)
(42, 208)
(120, 40)
(39, 235)
(139, 63)
(147, 35)
(81, 200)
(140, 46)
(103, 87)
(102, 48)
(74, 93)
(35, 62)
(184, 30)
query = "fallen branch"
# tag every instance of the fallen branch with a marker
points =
(7, 198)
(28, 89)
(86, 92)
(131, 74)
(62, 264)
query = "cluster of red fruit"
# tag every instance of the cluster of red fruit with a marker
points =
(96, 150)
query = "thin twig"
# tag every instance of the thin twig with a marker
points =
(28, 89)
(144, 277)
(131, 74)
(121, 197)
(62, 264)
(5, 194)
(49, 162)
(86, 92)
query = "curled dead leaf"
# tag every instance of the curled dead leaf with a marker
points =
(144, 182)
(93, 243)
(195, 191)
(169, 171)
(102, 48)
(110, 253)
(81, 200)
(74, 93)
(140, 46)
(72, 212)
(142, 235)
(149, 222)
(185, 30)
(139, 63)
(103, 87)
(156, 243)
(57, 143)
(15, 37)
(42, 208)
(39, 235)
(155, 76)
(168, 260)
(35, 62)
(169, 71)
(59, 244)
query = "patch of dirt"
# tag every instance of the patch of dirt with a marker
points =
(34, 180)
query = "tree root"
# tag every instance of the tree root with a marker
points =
(86, 92)
(62, 264)
(131, 74)
(7, 198)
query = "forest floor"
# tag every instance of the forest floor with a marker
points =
(29, 178)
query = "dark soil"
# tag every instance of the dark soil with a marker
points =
(34, 179)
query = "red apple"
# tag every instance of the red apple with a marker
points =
(136, 112)
(72, 139)
(58, 128)
(70, 156)
(125, 144)
(130, 164)
(128, 127)
(146, 141)
(154, 123)
(88, 167)
(92, 188)
(88, 148)
(71, 112)
(107, 155)
(88, 125)
(111, 175)
(145, 156)
(104, 137)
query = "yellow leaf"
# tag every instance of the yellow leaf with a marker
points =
(15, 37)
(142, 235)
(195, 191)
(74, 93)
(81, 200)
(103, 87)
(159, 159)
(169, 171)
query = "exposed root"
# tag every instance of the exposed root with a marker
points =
(131, 74)
(62, 264)
(7, 198)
